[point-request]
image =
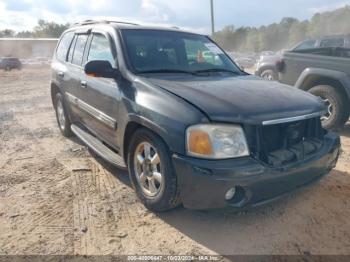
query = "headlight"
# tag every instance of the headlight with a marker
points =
(216, 141)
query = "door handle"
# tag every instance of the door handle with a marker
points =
(83, 84)
(60, 74)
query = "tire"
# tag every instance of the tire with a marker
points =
(269, 74)
(63, 121)
(7, 68)
(338, 110)
(166, 195)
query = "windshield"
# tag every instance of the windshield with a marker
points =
(169, 51)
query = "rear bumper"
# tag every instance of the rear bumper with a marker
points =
(204, 183)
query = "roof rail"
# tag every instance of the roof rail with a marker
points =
(92, 22)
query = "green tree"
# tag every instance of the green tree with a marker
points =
(7, 33)
(285, 34)
(49, 29)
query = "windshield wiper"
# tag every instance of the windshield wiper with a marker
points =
(167, 71)
(210, 70)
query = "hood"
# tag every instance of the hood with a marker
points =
(243, 99)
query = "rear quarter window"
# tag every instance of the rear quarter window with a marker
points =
(63, 46)
(333, 42)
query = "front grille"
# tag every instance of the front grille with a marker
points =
(281, 144)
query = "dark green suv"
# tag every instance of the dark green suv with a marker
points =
(189, 125)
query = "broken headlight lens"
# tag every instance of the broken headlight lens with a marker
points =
(214, 141)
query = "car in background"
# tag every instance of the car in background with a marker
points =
(324, 42)
(266, 65)
(9, 63)
(267, 53)
(325, 73)
(245, 62)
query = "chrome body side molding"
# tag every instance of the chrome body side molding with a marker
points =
(102, 117)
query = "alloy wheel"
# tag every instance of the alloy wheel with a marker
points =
(147, 166)
(329, 111)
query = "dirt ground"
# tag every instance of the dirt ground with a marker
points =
(57, 198)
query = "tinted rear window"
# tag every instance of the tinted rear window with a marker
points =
(63, 46)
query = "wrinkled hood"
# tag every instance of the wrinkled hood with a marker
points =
(243, 99)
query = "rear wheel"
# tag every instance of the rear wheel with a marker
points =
(7, 68)
(337, 111)
(269, 75)
(63, 121)
(151, 172)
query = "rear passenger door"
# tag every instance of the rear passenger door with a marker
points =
(101, 95)
(73, 76)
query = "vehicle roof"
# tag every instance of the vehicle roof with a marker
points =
(124, 25)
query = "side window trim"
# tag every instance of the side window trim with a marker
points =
(112, 45)
(59, 44)
(72, 47)
(76, 35)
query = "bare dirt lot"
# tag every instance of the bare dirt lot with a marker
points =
(58, 198)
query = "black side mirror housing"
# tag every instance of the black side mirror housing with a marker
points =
(100, 68)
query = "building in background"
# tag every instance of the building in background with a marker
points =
(27, 47)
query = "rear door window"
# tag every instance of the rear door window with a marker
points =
(63, 46)
(79, 48)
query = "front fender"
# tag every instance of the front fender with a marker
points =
(160, 111)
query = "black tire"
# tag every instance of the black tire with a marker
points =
(7, 68)
(339, 106)
(169, 196)
(65, 127)
(269, 74)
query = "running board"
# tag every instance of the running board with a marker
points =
(98, 147)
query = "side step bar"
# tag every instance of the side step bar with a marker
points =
(98, 147)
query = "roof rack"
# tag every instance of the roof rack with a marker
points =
(92, 22)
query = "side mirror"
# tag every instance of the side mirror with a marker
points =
(100, 68)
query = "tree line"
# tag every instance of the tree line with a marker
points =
(273, 37)
(285, 34)
(42, 29)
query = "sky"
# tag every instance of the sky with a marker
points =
(191, 15)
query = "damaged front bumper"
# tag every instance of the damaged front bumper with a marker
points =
(205, 183)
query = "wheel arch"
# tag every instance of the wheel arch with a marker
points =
(267, 67)
(135, 123)
(316, 80)
(314, 77)
(54, 90)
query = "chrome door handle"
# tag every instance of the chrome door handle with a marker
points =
(83, 84)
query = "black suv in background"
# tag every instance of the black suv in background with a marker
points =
(190, 126)
(8, 63)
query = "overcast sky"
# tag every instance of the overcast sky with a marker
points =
(189, 14)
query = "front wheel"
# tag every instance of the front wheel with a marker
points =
(151, 172)
(337, 108)
(269, 75)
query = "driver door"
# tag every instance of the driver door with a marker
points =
(101, 95)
